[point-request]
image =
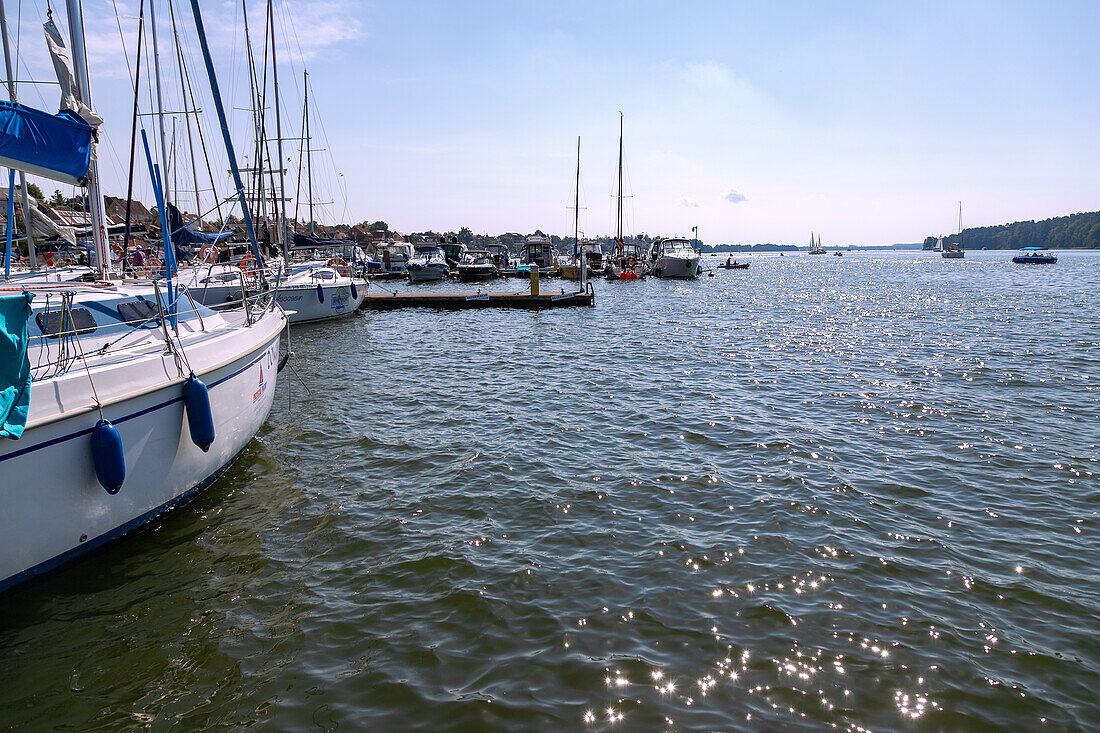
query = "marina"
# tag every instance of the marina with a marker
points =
(567, 447)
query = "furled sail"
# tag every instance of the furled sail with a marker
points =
(70, 96)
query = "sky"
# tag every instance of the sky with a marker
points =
(865, 122)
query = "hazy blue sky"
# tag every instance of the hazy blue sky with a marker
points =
(756, 121)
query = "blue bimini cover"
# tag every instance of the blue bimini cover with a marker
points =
(15, 365)
(55, 146)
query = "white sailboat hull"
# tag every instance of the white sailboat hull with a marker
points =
(304, 303)
(52, 507)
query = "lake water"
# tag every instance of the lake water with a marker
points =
(844, 493)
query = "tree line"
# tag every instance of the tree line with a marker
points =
(1076, 231)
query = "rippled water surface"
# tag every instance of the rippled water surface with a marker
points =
(849, 492)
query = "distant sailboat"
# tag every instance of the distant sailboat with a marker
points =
(815, 246)
(946, 250)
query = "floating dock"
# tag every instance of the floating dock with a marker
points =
(461, 301)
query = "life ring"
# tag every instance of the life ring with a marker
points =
(116, 253)
(208, 251)
(339, 264)
(247, 261)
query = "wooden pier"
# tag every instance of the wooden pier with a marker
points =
(461, 301)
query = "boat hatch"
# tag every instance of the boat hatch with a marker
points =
(73, 320)
(137, 311)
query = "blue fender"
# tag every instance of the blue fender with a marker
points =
(200, 421)
(108, 457)
(320, 293)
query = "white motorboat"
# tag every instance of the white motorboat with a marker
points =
(315, 291)
(429, 265)
(1034, 256)
(107, 353)
(476, 265)
(675, 258)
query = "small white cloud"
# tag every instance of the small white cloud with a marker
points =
(689, 203)
(734, 196)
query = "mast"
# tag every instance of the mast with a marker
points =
(577, 215)
(960, 225)
(133, 130)
(619, 216)
(22, 175)
(216, 94)
(309, 154)
(95, 198)
(160, 101)
(283, 233)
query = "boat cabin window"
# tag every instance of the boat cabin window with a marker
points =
(75, 320)
(137, 311)
(222, 277)
(325, 275)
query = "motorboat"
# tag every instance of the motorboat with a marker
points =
(732, 264)
(538, 252)
(675, 258)
(453, 250)
(1034, 256)
(124, 387)
(502, 258)
(428, 265)
(395, 260)
(477, 265)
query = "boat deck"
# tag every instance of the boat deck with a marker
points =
(458, 301)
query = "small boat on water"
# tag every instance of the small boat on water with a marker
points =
(732, 264)
(815, 245)
(477, 265)
(394, 262)
(1034, 256)
(429, 264)
(675, 259)
(627, 260)
(949, 251)
(502, 258)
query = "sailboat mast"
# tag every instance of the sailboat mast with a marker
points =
(960, 225)
(619, 213)
(95, 197)
(577, 215)
(22, 175)
(283, 234)
(309, 154)
(160, 102)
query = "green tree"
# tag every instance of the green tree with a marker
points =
(35, 191)
(465, 235)
(378, 226)
(57, 199)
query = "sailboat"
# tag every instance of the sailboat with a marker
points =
(815, 246)
(575, 268)
(946, 250)
(628, 260)
(119, 401)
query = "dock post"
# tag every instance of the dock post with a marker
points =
(534, 279)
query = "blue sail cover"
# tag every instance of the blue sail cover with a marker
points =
(187, 239)
(15, 365)
(57, 147)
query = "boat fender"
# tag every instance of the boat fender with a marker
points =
(200, 421)
(354, 292)
(107, 455)
(282, 362)
(320, 293)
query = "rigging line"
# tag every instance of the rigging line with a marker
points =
(183, 98)
(122, 38)
(202, 142)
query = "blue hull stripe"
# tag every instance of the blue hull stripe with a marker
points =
(116, 533)
(131, 416)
